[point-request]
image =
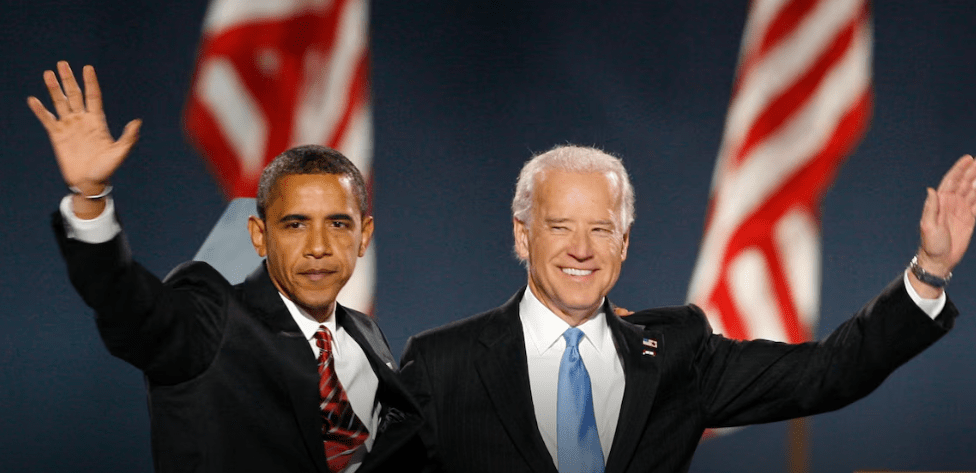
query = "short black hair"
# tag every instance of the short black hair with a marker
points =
(310, 159)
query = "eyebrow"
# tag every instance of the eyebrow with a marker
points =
(294, 218)
(550, 221)
(340, 217)
(305, 218)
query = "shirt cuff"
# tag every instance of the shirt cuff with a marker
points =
(100, 229)
(931, 307)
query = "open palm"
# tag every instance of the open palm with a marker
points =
(948, 218)
(86, 152)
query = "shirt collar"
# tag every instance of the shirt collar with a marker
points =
(543, 328)
(307, 324)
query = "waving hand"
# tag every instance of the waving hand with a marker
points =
(86, 152)
(947, 222)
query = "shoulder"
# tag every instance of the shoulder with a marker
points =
(468, 328)
(684, 317)
(682, 326)
(196, 272)
(460, 336)
(345, 316)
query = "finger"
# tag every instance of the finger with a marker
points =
(968, 185)
(621, 312)
(969, 178)
(930, 210)
(58, 99)
(93, 93)
(75, 100)
(47, 118)
(129, 135)
(951, 180)
(969, 189)
(125, 142)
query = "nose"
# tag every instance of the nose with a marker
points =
(318, 243)
(581, 246)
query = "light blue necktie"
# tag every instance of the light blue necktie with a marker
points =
(578, 443)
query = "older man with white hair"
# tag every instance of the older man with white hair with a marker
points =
(554, 380)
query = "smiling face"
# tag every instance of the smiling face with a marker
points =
(573, 243)
(312, 234)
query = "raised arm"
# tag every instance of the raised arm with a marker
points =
(86, 152)
(947, 224)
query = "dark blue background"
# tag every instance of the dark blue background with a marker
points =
(464, 93)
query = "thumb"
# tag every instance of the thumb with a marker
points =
(130, 134)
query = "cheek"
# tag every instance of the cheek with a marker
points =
(544, 246)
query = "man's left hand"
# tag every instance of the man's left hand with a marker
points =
(947, 223)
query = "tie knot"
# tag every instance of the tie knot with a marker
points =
(323, 338)
(573, 336)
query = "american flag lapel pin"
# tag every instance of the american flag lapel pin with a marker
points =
(650, 347)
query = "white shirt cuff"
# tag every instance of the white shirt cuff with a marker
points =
(932, 307)
(100, 229)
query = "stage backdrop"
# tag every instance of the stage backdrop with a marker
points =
(463, 93)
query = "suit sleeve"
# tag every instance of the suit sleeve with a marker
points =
(761, 381)
(170, 330)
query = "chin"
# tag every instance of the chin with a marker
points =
(315, 304)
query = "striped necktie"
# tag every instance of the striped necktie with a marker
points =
(342, 431)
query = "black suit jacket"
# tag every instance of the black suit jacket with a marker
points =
(471, 379)
(233, 384)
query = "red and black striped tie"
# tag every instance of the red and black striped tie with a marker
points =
(342, 431)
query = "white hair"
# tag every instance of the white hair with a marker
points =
(571, 158)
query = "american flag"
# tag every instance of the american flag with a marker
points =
(273, 74)
(800, 103)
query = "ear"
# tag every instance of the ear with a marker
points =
(521, 233)
(626, 244)
(367, 235)
(257, 229)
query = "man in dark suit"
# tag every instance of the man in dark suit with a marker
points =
(268, 375)
(553, 379)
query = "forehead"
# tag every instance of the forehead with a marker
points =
(574, 192)
(312, 191)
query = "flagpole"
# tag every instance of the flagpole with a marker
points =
(797, 446)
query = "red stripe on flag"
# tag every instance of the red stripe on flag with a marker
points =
(276, 92)
(356, 96)
(805, 188)
(794, 97)
(783, 24)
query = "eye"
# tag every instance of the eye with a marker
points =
(340, 224)
(294, 225)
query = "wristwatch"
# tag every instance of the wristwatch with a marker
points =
(927, 277)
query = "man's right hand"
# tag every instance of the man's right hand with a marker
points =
(86, 153)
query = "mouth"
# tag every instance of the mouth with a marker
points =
(577, 272)
(316, 274)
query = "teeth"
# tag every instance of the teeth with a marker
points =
(577, 272)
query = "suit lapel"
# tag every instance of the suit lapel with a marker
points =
(642, 376)
(502, 367)
(400, 417)
(300, 374)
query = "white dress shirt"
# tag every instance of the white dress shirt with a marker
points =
(350, 362)
(544, 347)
